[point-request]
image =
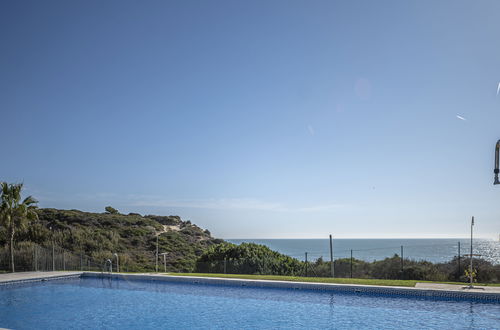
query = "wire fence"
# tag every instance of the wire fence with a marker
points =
(378, 263)
(34, 257)
(395, 268)
(435, 262)
(436, 253)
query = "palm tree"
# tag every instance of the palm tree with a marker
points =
(14, 213)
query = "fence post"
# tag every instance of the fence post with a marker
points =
(36, 258)
(81, 262)
(164, 263)
(225, 266)
(64, 260)
(471, 255)
(458, 258)
(351, 263)
(402, 262)
(156, 256)
(306, 264)
(53, 257)
(332, 265)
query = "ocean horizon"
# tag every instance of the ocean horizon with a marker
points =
(370, 249)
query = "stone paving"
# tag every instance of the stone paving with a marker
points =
(23, 276)
(455, 287)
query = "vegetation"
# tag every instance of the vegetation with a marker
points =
(392, 268)
(189, 248)
(360, 281)
(247, 258)
(15, 214)
(259, 260)
(132, 237)
(111, 210)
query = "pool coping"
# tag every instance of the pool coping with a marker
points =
(431, 293)
(27, 277)
(362, 289)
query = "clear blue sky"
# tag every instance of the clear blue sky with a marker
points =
(258, 119)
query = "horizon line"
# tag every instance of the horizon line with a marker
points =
(276, 238)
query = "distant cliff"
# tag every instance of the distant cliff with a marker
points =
(132, 236)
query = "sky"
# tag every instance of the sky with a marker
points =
(258, 119)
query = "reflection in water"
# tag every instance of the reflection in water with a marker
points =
(92, 302)
(471, 315)
(332, 300)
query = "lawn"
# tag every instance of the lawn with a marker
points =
(362, 281)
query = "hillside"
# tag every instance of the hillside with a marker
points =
(132, 236)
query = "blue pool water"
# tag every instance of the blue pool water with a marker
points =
(92, 303)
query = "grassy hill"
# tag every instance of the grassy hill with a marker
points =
(132, 236)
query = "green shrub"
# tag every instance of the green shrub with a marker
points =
(247, 258)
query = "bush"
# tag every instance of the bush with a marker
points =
(247, 258)
(111, 210)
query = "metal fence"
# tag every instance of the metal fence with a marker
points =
(34, 257)
(437, 262)
(387, 264)
(395, 268)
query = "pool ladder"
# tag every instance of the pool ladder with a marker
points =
(105, 267)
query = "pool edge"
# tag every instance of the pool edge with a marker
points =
(335, 287)
(29, 277)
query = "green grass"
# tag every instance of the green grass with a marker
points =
(306, 279)
(362, 281)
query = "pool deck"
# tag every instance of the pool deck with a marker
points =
(421, 289)
(454, 287)
(35, 276)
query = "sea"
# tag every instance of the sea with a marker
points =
(434, 250)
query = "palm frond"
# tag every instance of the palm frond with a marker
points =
(30, 200)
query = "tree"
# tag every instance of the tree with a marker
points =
(14, 213)
(111, 210)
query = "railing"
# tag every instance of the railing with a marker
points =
(33, 257)
(408, 262)
(395, 262)
(347, 264)
(394, 267)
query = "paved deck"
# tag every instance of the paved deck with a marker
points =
(458, 288)
(31, 276)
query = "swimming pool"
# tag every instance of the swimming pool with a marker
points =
(93, 302)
